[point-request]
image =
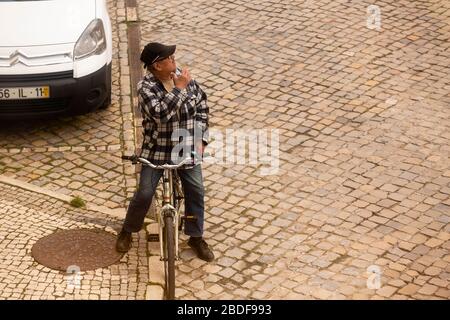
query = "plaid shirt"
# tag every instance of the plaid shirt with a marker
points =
(167, 115)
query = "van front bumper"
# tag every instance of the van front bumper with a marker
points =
(68, 95)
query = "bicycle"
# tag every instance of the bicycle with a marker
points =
(168, 217)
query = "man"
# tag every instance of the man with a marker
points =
(170, 104)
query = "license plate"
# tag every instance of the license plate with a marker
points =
(24, 93)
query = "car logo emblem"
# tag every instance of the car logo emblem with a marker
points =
(14, 58)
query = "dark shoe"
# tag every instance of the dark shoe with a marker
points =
(201, 248)
(123, 243)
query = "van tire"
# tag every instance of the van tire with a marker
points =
(106, 103)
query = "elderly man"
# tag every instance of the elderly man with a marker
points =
(170, 102)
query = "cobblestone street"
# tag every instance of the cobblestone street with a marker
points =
(360, 205)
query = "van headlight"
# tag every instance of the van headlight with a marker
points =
(92, 41)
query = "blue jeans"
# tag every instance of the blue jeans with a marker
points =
(194, 193)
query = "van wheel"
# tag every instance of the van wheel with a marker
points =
(106, 103)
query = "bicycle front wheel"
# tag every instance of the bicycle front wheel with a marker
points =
(169, 258)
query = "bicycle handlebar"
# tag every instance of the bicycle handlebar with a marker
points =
(135, 159)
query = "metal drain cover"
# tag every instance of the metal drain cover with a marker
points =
(87, 249)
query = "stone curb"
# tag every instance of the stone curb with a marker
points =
(61, 149)
(117, 213)
(155, 289)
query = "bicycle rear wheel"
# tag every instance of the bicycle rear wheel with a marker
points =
(169, 257)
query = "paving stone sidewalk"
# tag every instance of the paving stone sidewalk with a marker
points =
(26, 217)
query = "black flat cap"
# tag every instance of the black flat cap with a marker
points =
(154, 52)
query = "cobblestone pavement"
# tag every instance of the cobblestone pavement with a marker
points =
(26, 217)
(362, 190)
(363, 186)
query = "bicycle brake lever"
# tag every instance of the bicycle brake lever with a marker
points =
(132, 158)
(195, 155)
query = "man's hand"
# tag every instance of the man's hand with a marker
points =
(182, 80)
(200, 148)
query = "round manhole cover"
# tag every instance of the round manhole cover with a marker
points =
(87, 249)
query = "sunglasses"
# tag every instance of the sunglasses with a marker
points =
(171, 57)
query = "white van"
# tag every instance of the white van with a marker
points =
(55, 57)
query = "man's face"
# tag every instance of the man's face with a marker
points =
(166, 66)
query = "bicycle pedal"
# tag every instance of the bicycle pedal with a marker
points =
(153, 237)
